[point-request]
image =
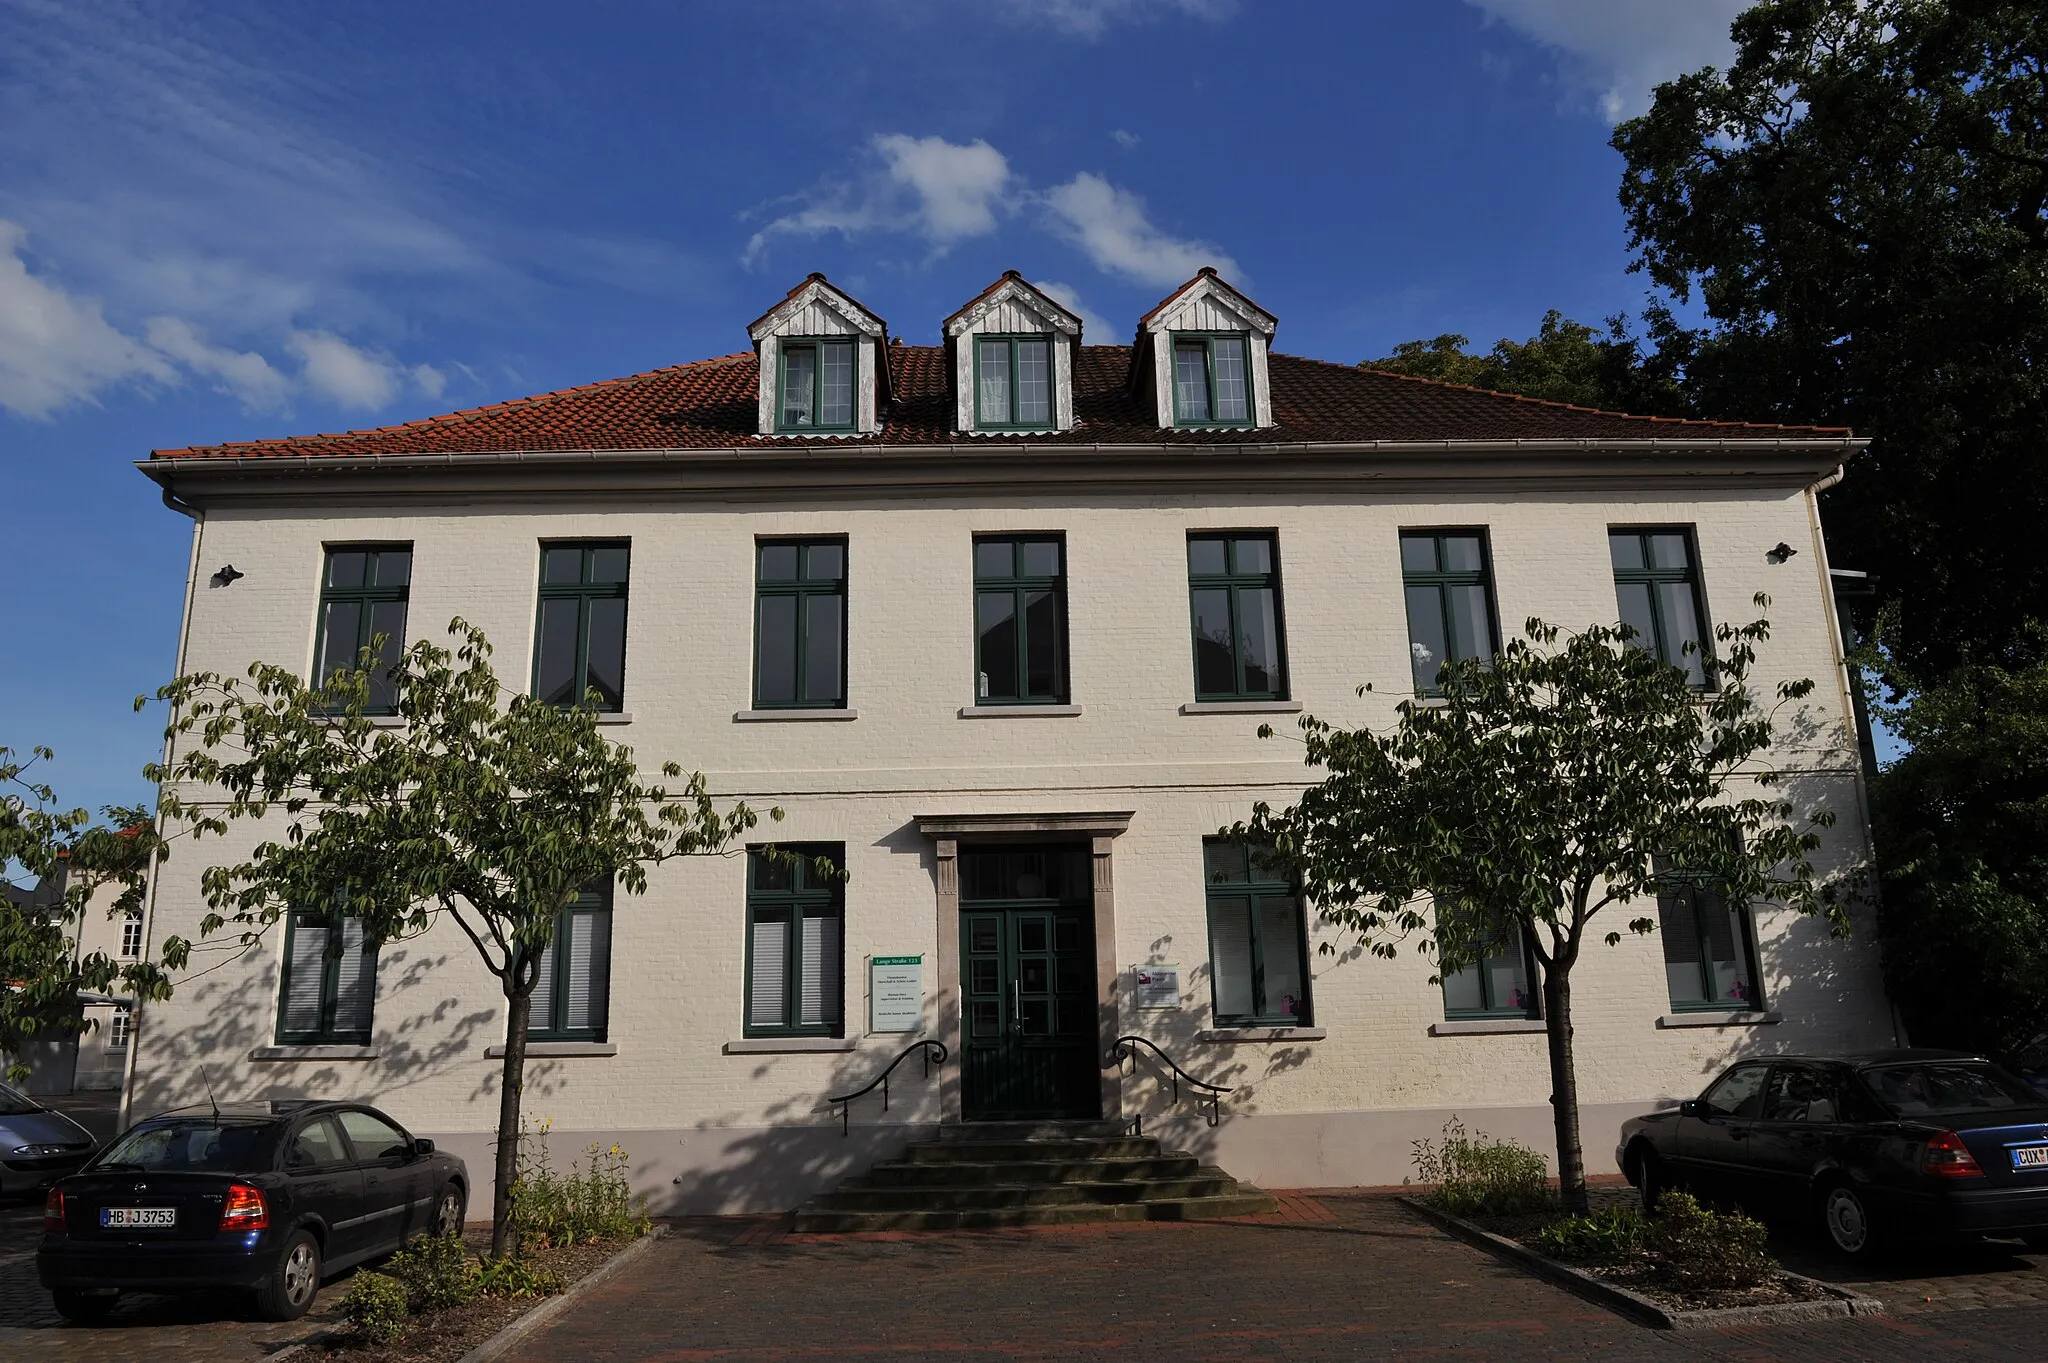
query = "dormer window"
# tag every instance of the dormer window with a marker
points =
(1013, 383)
(1211, 380)
(817, 386)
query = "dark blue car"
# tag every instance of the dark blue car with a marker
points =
(1935, 1145)
(269, 1197)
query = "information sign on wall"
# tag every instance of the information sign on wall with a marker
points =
(1157, 985)
(895, 993)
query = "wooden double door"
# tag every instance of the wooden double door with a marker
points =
(1030, 1019)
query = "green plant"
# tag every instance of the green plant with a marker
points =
(592, 1201)
(510, 1277)
(1692, 1247)
(375, 1307)
(1475, 1173)
(1609, 1237)
(437, 1272)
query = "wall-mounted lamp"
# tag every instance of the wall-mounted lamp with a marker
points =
(1781, 553)
(226, 576)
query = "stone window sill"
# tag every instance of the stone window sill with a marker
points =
(1732, 1019)
(614, 716)
(1232, 1036)
(1019, 711)
(789, 1045)
(316, 1053)
(770, 716)
(555, 1050)
(1486, 1027)
(1241, 707)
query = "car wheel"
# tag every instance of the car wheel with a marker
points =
(1849, 1222)
(294, 1282)
(448, 1211)
(1656, 1180)
(77, 1304)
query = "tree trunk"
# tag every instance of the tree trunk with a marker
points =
(511, 1080)
(1564, 1087)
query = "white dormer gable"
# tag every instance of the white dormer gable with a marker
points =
(1012, 354)
(1201, 357)
(824, 363)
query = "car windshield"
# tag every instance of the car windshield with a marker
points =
(16, 1104)
(1914, 1090)
(201, 1144)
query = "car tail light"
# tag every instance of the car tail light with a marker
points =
(53, 1212)
(244, 1209)
(1948, 1157)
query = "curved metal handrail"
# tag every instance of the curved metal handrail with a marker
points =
(927, 1045)
(1124, 1049)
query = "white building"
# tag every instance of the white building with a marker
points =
(996, 622)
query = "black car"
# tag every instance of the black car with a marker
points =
(1939, 1144)
(269, 1197)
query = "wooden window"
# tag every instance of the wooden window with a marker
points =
(329, 985)
(1657, 587)
(579, 656)
(572, 997)
(1013, 383)
(795, 959)
(1212, 383)
(1494, 986)
(131, 935)
(120, 1027)
(1709, 946)
(1448, 582)
(1020, 620)
(1234, 603)
(1258, 949)
(363, 590)
(800, 624)
(818, 381)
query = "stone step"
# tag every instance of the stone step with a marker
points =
(1001, 1152)
(812, 1220)
(1031, 1131)
(853, 1196)
(927, 1174)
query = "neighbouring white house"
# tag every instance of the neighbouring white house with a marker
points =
(996, 622)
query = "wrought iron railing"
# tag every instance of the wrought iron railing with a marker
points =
(881, 1081)
(1124, 1050)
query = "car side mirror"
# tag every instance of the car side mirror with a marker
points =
(1692, 1107)
(422, 1146)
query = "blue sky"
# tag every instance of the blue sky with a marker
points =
(230, 220)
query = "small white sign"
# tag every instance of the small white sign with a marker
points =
(1157, 985)
(895, 993)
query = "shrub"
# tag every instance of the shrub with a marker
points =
(1475, 1173)
(509, 1277)
(593, 1201)
(436, 1271)
(1692, 1247)
(375, 1307)
(1608, 1237)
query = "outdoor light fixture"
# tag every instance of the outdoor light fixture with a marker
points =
(228, 573)
(1777, 555)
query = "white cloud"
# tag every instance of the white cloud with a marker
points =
(57, 349)
(243, 373)
(429, 380)
(1125, 138)
(1616, 51)
(1095, 329)
(342, 373)
(1110, 225)
(1092, 18)
(943, 191)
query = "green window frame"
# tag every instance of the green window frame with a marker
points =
(364, 589)
(796, 963)
(1500, 984)
(1710, 955)
(1658, 593)
(579, 638)
(1258, 940)
(1236, 615)
(1447, 580)
(327, 984)
(1211, 376)
(571, 998)
(1003, 376)
(800, 623)
(818, 377)
(1020, 619)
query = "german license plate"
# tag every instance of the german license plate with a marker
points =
(2030, 1157)
(154, 1217)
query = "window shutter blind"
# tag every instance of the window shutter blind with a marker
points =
(540, 1015)
(819, 1003)
(308, 969)
(1230, 929)
(355, 987)
(771, 972)
(590, 951)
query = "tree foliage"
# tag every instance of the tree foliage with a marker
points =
(1543, 788)
(1565, 361)
(488, 810)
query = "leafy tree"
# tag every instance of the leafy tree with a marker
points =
(42, 971)
(1861, 203)
(1565, 361)
(488, 814)
(1539, 789)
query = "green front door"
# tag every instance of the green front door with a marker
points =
(1030, 1021)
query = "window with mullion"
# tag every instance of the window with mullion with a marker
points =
(1710, 962)
(580, 642)
(817, 385)
(363, 591)
(1020, 620)
(1448, 582)
(1212, 383)
(800, 624)
(795, 931)
(1494, 982)
(1258, 949)
(572, 996)
(1234, 605)
(1013, 383)
(1657, 589)
(328, 987)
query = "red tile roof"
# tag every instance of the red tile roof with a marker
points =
(713, 404)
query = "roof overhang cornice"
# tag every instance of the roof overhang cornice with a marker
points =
(852, 470)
